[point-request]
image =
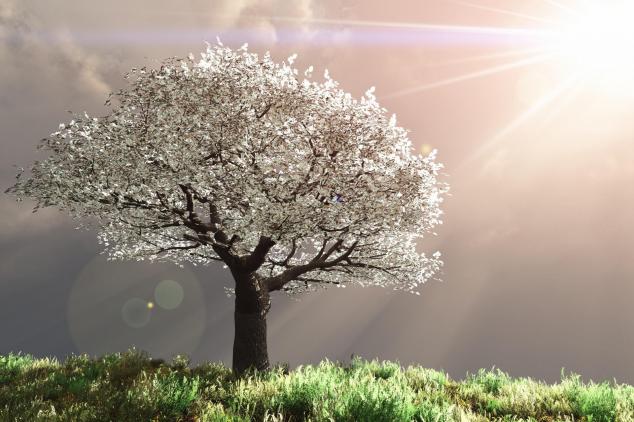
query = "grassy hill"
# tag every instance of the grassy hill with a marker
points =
(131, 386)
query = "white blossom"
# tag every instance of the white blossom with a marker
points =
(301, 162)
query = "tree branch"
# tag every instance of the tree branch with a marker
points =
(253, 261)
(284, 263)
(266, 110)
(196, 224)
(207, 256)
(220, 241)
(321, 251)
(342, 257)
(188, 195)
(172, 248)
(151, 226)
(318, 262)
(374, 267)
(203, 238)
(223, 252)
(331, 250)
(317, 280)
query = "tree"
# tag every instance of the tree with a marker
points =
(292, 185)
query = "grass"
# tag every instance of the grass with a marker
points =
(131, 386)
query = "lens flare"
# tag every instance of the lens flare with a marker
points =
(598, 40)
(169, 294)
(135, 313)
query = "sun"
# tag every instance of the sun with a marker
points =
(580, 52)
(597, 41)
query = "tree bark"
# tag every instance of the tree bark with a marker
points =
(252, 304)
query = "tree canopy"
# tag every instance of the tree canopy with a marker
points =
(235, 157)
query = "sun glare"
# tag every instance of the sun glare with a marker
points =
(598, 41)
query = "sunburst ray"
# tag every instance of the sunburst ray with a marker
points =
(485, 57)
(479, 74)
(561, 6)
(535, 108)
(566, 99)
(500, 30)
(504, 12)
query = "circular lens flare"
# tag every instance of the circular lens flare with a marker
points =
(135, 313)
(169, 294)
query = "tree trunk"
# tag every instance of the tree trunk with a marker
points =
(252, 303)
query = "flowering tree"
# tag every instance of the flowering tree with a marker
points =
(292, 184)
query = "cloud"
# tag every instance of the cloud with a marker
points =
(231, 12)
(263, 17)
(36, 73)
(51, 64)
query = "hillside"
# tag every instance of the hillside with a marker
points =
(131, 386)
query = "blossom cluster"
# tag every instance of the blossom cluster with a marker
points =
(295, 159)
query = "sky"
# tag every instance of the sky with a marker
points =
(536, 142)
